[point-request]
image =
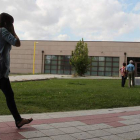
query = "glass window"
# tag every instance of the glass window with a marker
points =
(101, 68)
(108, 68)
(88, 73)
(47, 67)
(57, 62)
(67, 72)
(61, 67)
(66, 63)
(115, 69)
(115, 64)
(54, 57)
(67, 67)
(60, 58)
(60, 72)
(53, 66)
(67, 58)
(107, 73)
(101, 58)
(53, 71)
(47, 71)
(48, 57)
(95, 58)
(115, 73)
(116, 59)
(100, 73)
(108, 63)
(94, 68)
(101, 63)
(47, 61)
(60, 63)
(94, 63)
(53, 62)
(94, 73)
(108, 58)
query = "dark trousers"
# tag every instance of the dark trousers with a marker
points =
(5, 86)
(123, 81)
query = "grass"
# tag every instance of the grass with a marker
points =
(67, 95)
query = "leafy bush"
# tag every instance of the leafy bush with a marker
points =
(80, 60)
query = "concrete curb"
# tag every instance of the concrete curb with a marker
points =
(18, 78)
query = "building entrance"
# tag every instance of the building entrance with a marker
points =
(137, 69)
(136, 61)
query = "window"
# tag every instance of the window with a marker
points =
(101, 58)
(101, 63)
(104, 66)
(100, 66)
(57, 64)
(94, 63)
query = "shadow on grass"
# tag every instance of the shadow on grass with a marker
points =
(76, 83)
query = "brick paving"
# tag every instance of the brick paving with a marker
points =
(104, 124)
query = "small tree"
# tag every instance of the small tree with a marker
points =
(79, 59)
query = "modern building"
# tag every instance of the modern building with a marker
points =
(52, 57)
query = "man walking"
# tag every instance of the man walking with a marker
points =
(130, 70)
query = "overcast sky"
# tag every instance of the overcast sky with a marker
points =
(93, 20)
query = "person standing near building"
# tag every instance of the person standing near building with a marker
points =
(8, 37)
(130, 70)
(123, 74)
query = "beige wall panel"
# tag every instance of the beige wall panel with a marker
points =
(132, 54)
(47, 47)
(92, 53)
(67, 43)
(99, 49)
(43, 43)
(38, 57)
(57, 52)
(18, 52)
(25, 66)
(20, 70)
(90, 43)
(115, 54)
(104, 49)
(27, 43)
(25, 61)
(136, 50)
(21, 56)
(23, 48)
(55, 48)
(15, 65)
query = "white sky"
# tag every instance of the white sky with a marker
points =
(93, 20)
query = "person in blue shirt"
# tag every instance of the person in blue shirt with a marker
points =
(8, 37)
(130, 70)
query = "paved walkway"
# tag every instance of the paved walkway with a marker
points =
(103, 124)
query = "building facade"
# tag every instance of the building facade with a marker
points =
(52, 57)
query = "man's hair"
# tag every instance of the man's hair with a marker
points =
(131, 61)
(6, 21)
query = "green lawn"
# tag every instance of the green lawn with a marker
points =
(66, 95)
